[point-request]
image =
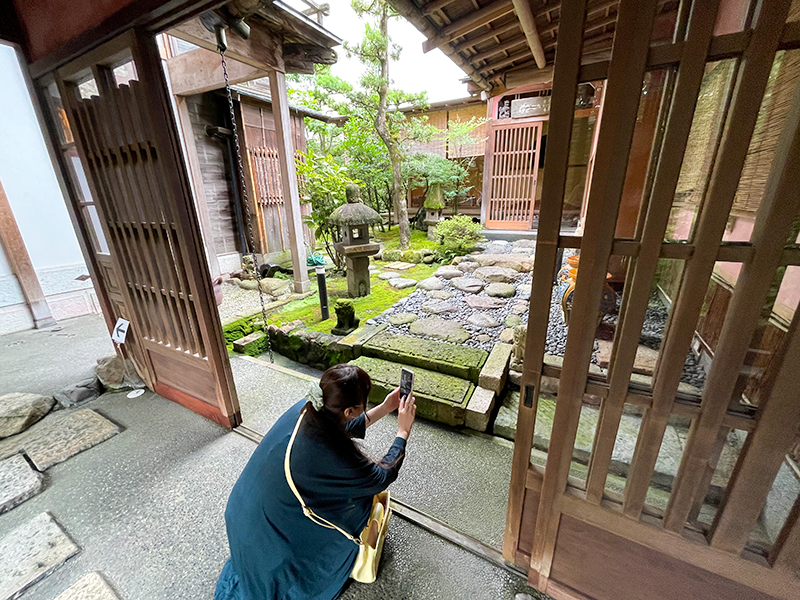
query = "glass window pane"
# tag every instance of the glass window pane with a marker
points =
(92, 220)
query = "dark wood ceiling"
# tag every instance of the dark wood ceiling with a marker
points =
(486, 38)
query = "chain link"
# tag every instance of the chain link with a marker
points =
(246, 202)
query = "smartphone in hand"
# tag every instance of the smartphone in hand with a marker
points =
(406, 382)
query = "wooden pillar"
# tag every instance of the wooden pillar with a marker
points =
(20, 261)
(291, 196)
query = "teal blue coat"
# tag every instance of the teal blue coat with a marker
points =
(277, 553)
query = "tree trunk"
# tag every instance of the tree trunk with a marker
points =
(398, 199)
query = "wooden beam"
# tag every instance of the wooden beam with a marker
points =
(200, 70)
(511, 58)
(435, 5)
(469, 23)
(261, 50)
(785, 554)
(487, 35)
(528, 23)
(556, 162)
(20, 261)
(497, 49)
(411, 13)
(622, 92)
(291, 196)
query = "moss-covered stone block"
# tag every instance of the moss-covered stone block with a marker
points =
(450, 359)
(410, 256)
(441, 398)
(249, 344)
(391, 255)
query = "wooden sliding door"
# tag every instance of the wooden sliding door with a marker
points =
(576, 534)
(118, 110)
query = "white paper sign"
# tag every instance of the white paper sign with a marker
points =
(120, 331)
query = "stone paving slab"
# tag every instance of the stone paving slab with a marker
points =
(31, 552)
(400, 266)
(18, 482)
(89, 587)
(59, 437)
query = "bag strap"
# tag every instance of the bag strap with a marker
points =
(306, 510)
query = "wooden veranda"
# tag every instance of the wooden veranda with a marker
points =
(575, 536)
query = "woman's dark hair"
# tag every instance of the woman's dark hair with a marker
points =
(343, 386)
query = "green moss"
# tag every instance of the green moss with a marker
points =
(381, 297)
(441, 398)
(451, 359)
(419, 239)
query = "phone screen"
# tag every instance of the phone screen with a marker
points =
(406, 382)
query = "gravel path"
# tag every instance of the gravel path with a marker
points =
(652, 330)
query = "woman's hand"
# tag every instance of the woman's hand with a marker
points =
(406, 413)
(392, 400)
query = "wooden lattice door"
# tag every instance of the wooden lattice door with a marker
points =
(513, 169)
(577, 535)
(118, 108)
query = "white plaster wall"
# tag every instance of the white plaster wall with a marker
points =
(27, 174)
(39, 208)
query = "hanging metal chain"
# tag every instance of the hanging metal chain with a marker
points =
(248, 218)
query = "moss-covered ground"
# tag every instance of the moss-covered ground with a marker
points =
(391, 239)
(381, 297)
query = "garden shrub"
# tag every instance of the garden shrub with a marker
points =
(459, 235)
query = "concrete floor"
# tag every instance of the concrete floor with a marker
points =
(146, 507)
(43, 361)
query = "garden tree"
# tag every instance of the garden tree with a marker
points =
(441, 179)
(374, 99)
(322, 184)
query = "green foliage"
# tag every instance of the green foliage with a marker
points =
(460, 234)
(322, 184)
(443, 180)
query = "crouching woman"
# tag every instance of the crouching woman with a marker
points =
(276, 551)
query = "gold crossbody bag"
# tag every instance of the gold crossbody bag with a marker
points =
(370, 543)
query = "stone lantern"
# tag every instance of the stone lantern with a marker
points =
(353, 220)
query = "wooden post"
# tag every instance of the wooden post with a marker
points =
(291, 197)
(20, 262)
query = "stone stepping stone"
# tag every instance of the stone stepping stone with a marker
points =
(501, 290)
(389, 275)
(513, 321)
(60, 437)
(400, 266)
(484, 338)
(18, 482)
(460, 361)
(528, 251)
(31, 552)
(401, 283)
(468, 267)
(519, 308)
(430, 284)
(20, 410)
(524, 291)
(441, 329)
(496, 274)
(402, 318)
(439, 397)
(438, 307)
(516, 262)
(467, 284)
(448, 272)
(440, 295)
(484, 302)
(481, 319)
(507, 336)
(89, 587)
(525, 244)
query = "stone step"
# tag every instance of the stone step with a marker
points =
(449, 359)
(441, 398)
